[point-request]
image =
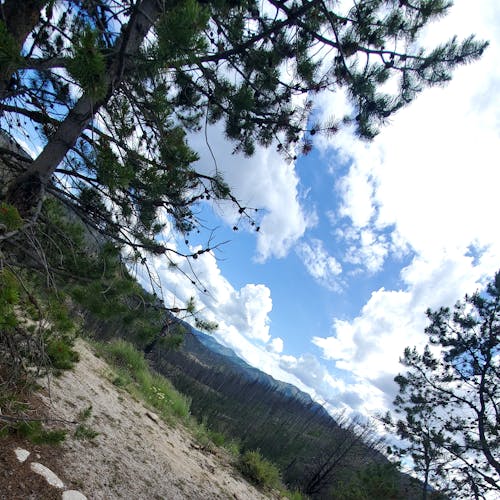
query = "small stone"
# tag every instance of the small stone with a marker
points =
(73, 495)
(49, 476)
(153, 417)
(21, 454)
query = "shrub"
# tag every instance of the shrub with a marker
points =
(259, 470)
(60, 352)
(34, 432)
(84, 432)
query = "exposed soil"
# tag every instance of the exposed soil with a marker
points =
(17, 480)
(133, 457)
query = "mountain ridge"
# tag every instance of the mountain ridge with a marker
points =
(286, 388)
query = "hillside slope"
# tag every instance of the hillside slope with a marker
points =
(135, 455)
(284, 423)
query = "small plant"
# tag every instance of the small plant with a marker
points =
(85, 433)
(34, 432)
(85, 413)
(259, 470)
(61, 354)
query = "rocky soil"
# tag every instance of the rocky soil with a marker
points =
(134, 456)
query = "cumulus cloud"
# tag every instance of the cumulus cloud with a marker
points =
(276, 345)
(370, 345)
(246, 310)
(324, 268)
(424, 188)
(336, 392)
(265, 181)
(365, 248)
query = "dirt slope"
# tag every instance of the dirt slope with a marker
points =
(133, 457)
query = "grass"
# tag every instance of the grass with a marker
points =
(132, 372)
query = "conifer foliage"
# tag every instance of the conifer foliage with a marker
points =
(109, 89)
(448, 407)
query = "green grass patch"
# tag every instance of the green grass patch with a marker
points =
(133, 374)
(258, 470)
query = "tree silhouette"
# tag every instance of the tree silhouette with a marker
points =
(448, 403)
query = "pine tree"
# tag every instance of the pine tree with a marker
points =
(110, 89)
(448, 409)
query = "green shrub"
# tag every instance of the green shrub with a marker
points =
(34, 432)
(259, 470)
(60, 353)
(84, 432)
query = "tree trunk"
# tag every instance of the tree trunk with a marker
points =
(25, 189)
(20, 18)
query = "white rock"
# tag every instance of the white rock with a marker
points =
(153, 417)
(49, 476)
(21, 454)
(73, 495)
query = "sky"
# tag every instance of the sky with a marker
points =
(357, 239)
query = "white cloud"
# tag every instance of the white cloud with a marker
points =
(356, 190)
(370, 345)
(276, 345)
(365, 248)
(245, 310)
(265, 181)
(425, 187)
(320, 265)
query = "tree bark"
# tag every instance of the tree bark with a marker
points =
(28, 187)
(20, 18)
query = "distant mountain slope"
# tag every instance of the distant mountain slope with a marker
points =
(286, 389)
(284, 423)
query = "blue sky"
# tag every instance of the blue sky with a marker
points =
(358, 239)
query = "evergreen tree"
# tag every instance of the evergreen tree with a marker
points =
(111, 87)
(448, 409)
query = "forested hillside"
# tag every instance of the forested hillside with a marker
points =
(314, 451)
